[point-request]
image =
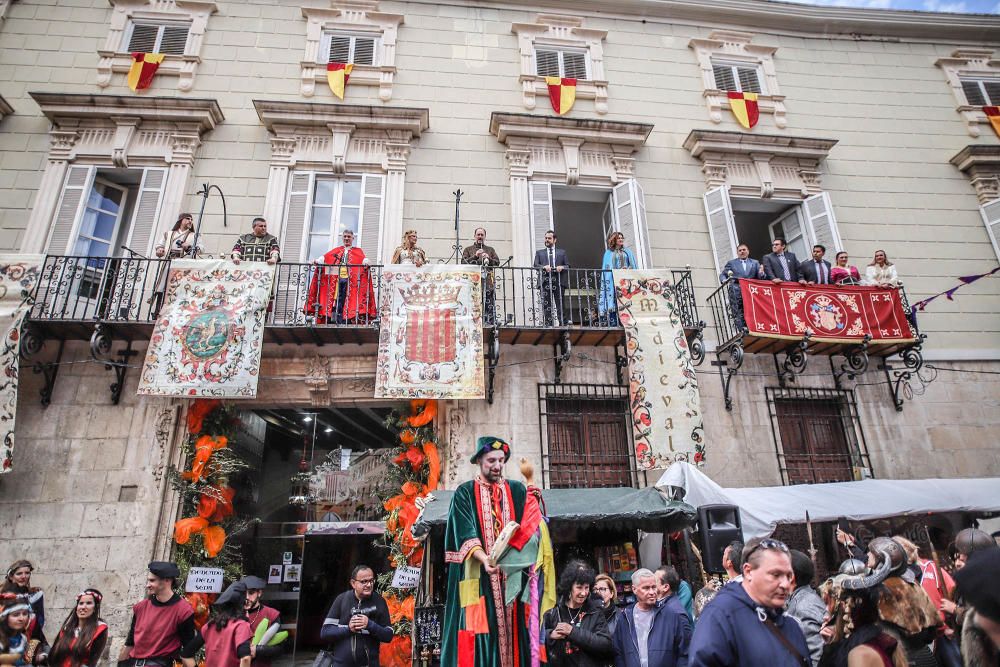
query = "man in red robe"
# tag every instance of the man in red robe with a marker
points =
(340, 290)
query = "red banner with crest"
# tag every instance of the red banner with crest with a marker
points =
(829, 313)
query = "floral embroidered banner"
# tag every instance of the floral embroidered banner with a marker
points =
(829, 313)
(18, 277)
(664, 400)
(209, 334)
(431, 340)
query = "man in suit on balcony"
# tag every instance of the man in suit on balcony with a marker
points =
(743, 266)
(817, 270)
(779, 265)
(553, 272)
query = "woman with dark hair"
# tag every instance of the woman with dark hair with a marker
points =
(576, 634)
(179, 240)
(616, 256)
(844, 273)
(227, 634)
(16, 648)
(18, 583)
(83, 635)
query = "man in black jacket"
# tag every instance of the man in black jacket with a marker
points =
(358, 621)
(576, 634)
(780, 265)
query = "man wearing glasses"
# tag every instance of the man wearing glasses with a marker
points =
(745, 623)
(358, 621)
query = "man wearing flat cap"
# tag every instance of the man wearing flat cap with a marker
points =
(161, 624)
(262, 654)
(488, 610)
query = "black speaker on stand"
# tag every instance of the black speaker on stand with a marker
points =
(718, 525)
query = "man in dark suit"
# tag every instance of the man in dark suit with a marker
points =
(817, 270)
(553, 272)
(780, 266)
(743, 266)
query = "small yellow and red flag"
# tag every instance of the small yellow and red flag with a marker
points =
(744, 107)
(337, 75)
(144, 66)
(562, 93)
(993, 113)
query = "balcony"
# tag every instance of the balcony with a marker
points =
(848, 358)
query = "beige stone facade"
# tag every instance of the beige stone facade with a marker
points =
(858, 112)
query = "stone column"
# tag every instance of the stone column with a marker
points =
(518, 161)
(49, 191)
(282, 149)
(182, 148)
(397, 152)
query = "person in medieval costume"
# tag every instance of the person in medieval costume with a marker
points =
(257, 246)
(340, 288)
(501, 575)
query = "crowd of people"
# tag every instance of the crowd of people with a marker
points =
(781, 265)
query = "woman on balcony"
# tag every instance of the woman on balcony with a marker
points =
(844, 273)
(616, 256)
(175, 243)
(408, 252)
(881, 272)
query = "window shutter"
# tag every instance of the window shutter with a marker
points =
(541, 212)
(147, 209)
(340, 49)
(296, 216)
(993, 91)
(575, 65)
(370, 227)
(79, 180)
(630, 214)
(721, 226)
(724, 78)
(364, 51)
(143, 38)
(973, 93)
(821, 224)
(174, 39)
(991, 218)
(749, 80)
(546, 63)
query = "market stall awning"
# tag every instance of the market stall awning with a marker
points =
(648, 509)
(763, 508)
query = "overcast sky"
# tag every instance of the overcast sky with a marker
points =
(957, 6)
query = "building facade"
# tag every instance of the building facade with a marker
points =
(871, 135)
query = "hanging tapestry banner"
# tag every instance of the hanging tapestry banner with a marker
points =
(829, 313)
(431, 340)
(664, 401)
(18, 277)
(208, 338)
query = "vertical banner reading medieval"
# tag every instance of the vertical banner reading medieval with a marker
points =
(664, 401)
(208, 337)
(18, 276)
(431, 340)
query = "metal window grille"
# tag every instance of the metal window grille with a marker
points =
(817, 435)
(585, 435)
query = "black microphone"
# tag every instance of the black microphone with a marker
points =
(133, 252)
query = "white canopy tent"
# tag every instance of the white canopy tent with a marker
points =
(763, 508)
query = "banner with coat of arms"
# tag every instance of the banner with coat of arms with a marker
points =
(431, 337)
(828, 313)
(18, 277)
(208, 338)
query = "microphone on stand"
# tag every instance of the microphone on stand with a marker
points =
(507, 263)
(133, 252)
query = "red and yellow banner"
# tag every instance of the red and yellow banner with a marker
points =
(144, 66)
(562, 93)
(337, 75)
(744, 106)
(993, 113)
(829, 313)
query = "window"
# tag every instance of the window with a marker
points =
(561, 63)
(355, 49)
(974, 77)
(165, 38)
(336, 207)
(981, 92)
(102, 217)
(736, 78)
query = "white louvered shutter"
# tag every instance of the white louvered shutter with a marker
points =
(721, 226)
(821, 224)
(143, 38)
(296, 217)
(991, 218)
(79, 180)
(339, 49)
(370, 226)
(630, 215)
(147, 211)
(724, 78)
(575, 65)
(541, 213)
(546, 62)
(749, 79)
(174, 39)
(364, 51)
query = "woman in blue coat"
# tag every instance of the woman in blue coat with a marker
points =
(616, 256)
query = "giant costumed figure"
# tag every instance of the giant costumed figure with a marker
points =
(501, 574)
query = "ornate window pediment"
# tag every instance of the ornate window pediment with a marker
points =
(974, 77)
(556, 45)
(981, 163)
(351, 31)
(729, 62)
(175, 28)
(760, 165)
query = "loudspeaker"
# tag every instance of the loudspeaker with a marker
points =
(718, 525)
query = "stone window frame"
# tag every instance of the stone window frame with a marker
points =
(735, 48)
(114, 59)
(964, 63)
(351, 17)
(981, 164)
(561, 32)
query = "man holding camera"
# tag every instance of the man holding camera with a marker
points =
(358, 621)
